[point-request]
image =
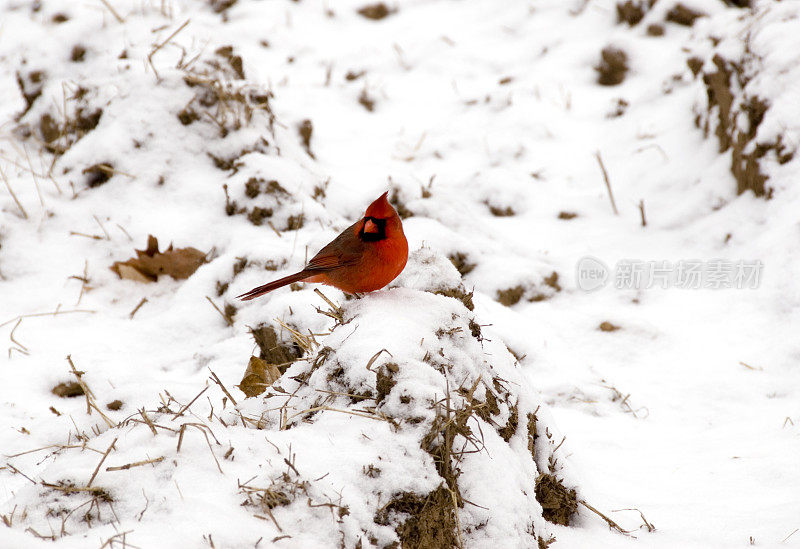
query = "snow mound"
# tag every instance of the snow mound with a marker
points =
(407, 422)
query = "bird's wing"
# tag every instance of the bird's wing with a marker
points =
(343, 251)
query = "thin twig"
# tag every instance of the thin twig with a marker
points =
(108, 451)
(135, 464)
(609, 521)
(608, 183)
(70, 489)
(224, 390)
(641, 211)
(186, 407)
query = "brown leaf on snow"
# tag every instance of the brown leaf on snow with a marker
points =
(258, 376)
(150, 263)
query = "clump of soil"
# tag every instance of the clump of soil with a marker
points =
(683, 15)
(219, 6)
(619, 108)
(431, 522)
(257, 215)
(654, 29)
(187, 116)
(606, 326)
(462, 264)
(552, 281)
(511, 425)
(375, 11)
(68, 389)
(499, 211)
(79, 119)
(738, 116)
(306, 129)
(295, 222)
(566, 216)
(385, 381)
(366, 100)
(630, 12)
(98, 174)
(235, 61)
(354, 75)
(221, 95)
(510, 296)
(558, 502)
(272, 350)
(31, 86)
(460, 294)
(114, 405)
(78, 53)
(613, 66)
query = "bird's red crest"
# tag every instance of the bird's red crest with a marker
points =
(381, 209)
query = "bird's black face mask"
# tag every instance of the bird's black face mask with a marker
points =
(373, 236)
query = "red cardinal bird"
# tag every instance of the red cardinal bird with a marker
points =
(365, 257)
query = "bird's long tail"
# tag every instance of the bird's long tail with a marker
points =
(261, 290)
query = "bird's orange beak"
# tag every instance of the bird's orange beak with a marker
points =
(371, 227)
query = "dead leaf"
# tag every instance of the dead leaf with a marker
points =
(150, 263)
(258, 376)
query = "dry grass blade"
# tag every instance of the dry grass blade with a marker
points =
(162, 44)
(13, 195)
(307, 343)
(329, 409)
(227, 319)
(113, 539)
(335, 311)
(375, 357)
(90, 398)
(136, 309)
(608, 183)
(650, 526)
(118, 18)
(205, 429)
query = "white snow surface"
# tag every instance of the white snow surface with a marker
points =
(689, 413)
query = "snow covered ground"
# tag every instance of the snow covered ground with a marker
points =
(123, 119)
